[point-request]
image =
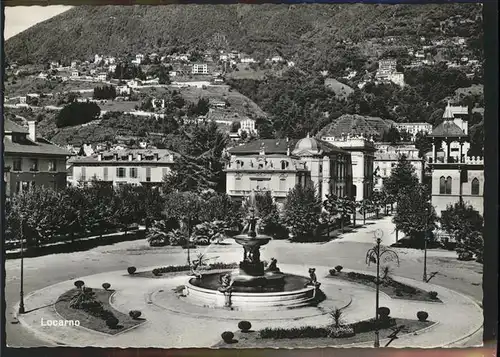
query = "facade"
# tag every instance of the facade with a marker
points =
(279, 165)
(200, 68)
(134, 166)
(387, 157)
(30, 160)
(248, 125)
(414, 128)
(387, 72)
(455, 176)
(362, 152)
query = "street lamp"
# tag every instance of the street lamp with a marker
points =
(373, 255)
(21, 292)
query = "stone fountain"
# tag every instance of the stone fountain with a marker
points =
(252, 286)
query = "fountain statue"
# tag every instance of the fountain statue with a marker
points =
(251, 275)
(250, 286)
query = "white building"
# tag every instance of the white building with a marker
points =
(362, 157)
(277, 59)
(200, 68)
(102, 77)
(98, 59)
(248, 60)
(112, 68)
(414, 128)
(134, 166)
(75, 74)
(247, 125)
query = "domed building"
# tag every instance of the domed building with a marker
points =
(278, 165)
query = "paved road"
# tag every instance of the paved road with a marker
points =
(39, 272)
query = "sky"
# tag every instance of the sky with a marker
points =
(20, 18)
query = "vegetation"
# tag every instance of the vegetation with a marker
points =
(302, 212)
(465, 225)
(105, 92)
(244, 326)
(415, 215)
(77, 113)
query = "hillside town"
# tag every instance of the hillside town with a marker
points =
(170, 166)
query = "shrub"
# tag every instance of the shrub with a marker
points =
(156, 272)
(333, 272)
(433, 294)
(244, 326)
(398, 292)
(227, 336)
(79, 284)
(342, 332)
(106, 286)
(339, 268)
(384, 312)
(465, 256)
(112, 322)
(295, 332)
(87, 290)
(422, 315)
(131, 270)
(134, 314)
(369, 325)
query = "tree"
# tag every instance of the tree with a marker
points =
(423, 143)
(188, 174)
(187, 209)
(38, 212)
(393, 136)
(302, 212)
(151, 204)
(377, 202)
(402, 176)
(105, 92)
(415, 215)
(77, 113)
(235, 126)
(461, 222)
(126, 206)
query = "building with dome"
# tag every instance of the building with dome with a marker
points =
(455, 175)
(278, 165)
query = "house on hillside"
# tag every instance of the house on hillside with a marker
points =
(102, 77)
(199, 68)
(248, 60)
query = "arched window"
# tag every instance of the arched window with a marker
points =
(284, 164)
(475, 187)
(442, 185)
(448, 185)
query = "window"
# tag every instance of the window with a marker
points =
(120, 172)
(475, 187)
(17, 165)
(284, 164)
(18, 186)
(133, 172)
(105, 174)
(282, 185)
(34, 165)
(148, 174)
(448, 185)
(442, 185)
(52, 165)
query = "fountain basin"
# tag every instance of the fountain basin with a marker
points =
(293, 294)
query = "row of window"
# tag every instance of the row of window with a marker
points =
(17, 165)
(446, 182)
(121, 172)
(23, 186)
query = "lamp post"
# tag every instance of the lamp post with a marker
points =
(21, 292)
(373, 255)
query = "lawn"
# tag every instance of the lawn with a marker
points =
(119, 106)
(93, 322)
(394, 289)
(252, 339)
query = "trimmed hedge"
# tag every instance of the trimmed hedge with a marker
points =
(177, 268)
(422, 316)
(244, 326)
(131, 270)
(106, 286)
(227, 336)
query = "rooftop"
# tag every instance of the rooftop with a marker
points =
(280, 146)
(355, 124)
(447, 129)
(147, 155)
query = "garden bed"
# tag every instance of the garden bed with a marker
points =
(182, 269)
(394, 289)
(93, 322)
(253, 340)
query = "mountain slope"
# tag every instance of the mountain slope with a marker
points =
(296, 31)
